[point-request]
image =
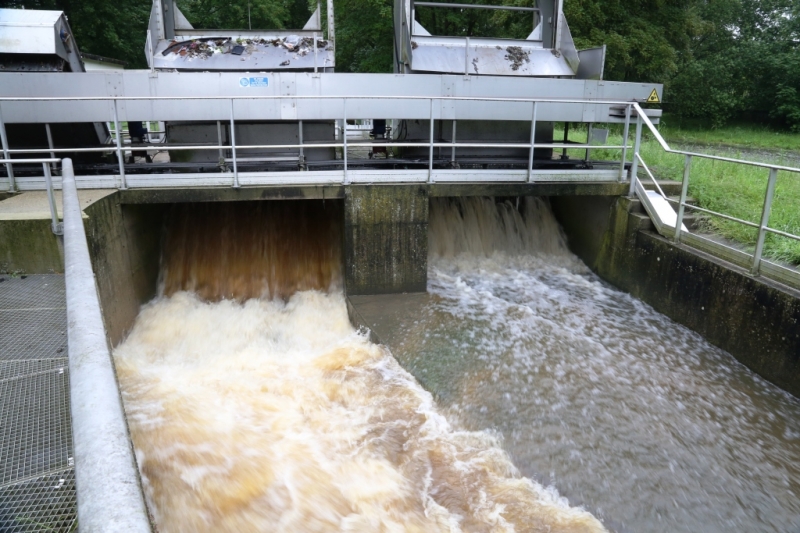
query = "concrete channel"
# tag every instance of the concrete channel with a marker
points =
(112, 252)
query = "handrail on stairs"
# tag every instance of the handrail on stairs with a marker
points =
(671, 226)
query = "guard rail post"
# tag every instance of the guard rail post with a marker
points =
(233, 150)
(765, 212)
(625, 135)
(120, 156)
(57, 228)
(687, 167)
(636, 145)
(12, 185)
(344, 139)
(533, 141)
(430, 148)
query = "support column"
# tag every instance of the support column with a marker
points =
(386, 239)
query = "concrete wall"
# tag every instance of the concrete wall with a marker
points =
(30, 247)
(124, 244)
(386, 239)
(755, 320)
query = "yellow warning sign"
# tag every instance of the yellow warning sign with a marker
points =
(653, 98)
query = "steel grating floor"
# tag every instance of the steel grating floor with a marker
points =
(37, 480)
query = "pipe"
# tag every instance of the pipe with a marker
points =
(109, 492)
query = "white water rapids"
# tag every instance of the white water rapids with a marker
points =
(272, 415)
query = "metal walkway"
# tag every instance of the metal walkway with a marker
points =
(37, 478)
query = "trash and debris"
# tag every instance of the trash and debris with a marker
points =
(517, 56)
(205, 47)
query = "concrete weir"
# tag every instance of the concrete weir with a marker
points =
(113, 254)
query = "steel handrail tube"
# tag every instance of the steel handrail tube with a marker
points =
(108, 486)
(687, 168)
(667, 148)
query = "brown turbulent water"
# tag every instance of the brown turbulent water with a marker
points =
(253, 404)
(272, 414)
(243, 250)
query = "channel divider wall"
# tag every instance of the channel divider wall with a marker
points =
(109, 490)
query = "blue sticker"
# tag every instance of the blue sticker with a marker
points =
(254, 82)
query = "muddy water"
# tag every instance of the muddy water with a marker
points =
(243, 250)
(274, 414)
(627, 413)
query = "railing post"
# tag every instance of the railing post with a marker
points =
(48, 178)
(687, 167)
(344, 140)
(50, 144)
(233, 150)
(588, 140)
(219, 143)
(300, 139)
(430, 148)
(762, 232)
(120, 156)
(533, 140)
(625, 134)
(12, 184)
(453, 151)
(635, 163)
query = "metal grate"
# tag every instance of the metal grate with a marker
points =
(33, 334)
(46, 503)
(33, 292)
(26, 367)
(37, 482)
(35, 435)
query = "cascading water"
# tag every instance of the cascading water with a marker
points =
(629, 414)
(250, 413)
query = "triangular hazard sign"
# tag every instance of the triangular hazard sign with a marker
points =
(653, 98)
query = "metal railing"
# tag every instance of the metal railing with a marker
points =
(754, 262)
(55, 225)
(343, 144)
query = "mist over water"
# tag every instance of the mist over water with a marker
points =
(634, 417)
(274, 414)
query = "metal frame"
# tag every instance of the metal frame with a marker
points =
(439, 108)
(754, 262)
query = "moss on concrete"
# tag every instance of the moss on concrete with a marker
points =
(386, 239)
(30, 246)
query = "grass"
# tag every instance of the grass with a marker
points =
(728, 188)
(737, 135)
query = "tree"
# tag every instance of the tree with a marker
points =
(112, 29)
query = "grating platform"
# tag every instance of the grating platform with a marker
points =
(37, 480)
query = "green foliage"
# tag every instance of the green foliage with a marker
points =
(115, 29)
(244, 14)
(364, 35)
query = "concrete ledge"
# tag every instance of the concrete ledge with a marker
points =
(109, 491)
(229, 194)
(601, 188)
